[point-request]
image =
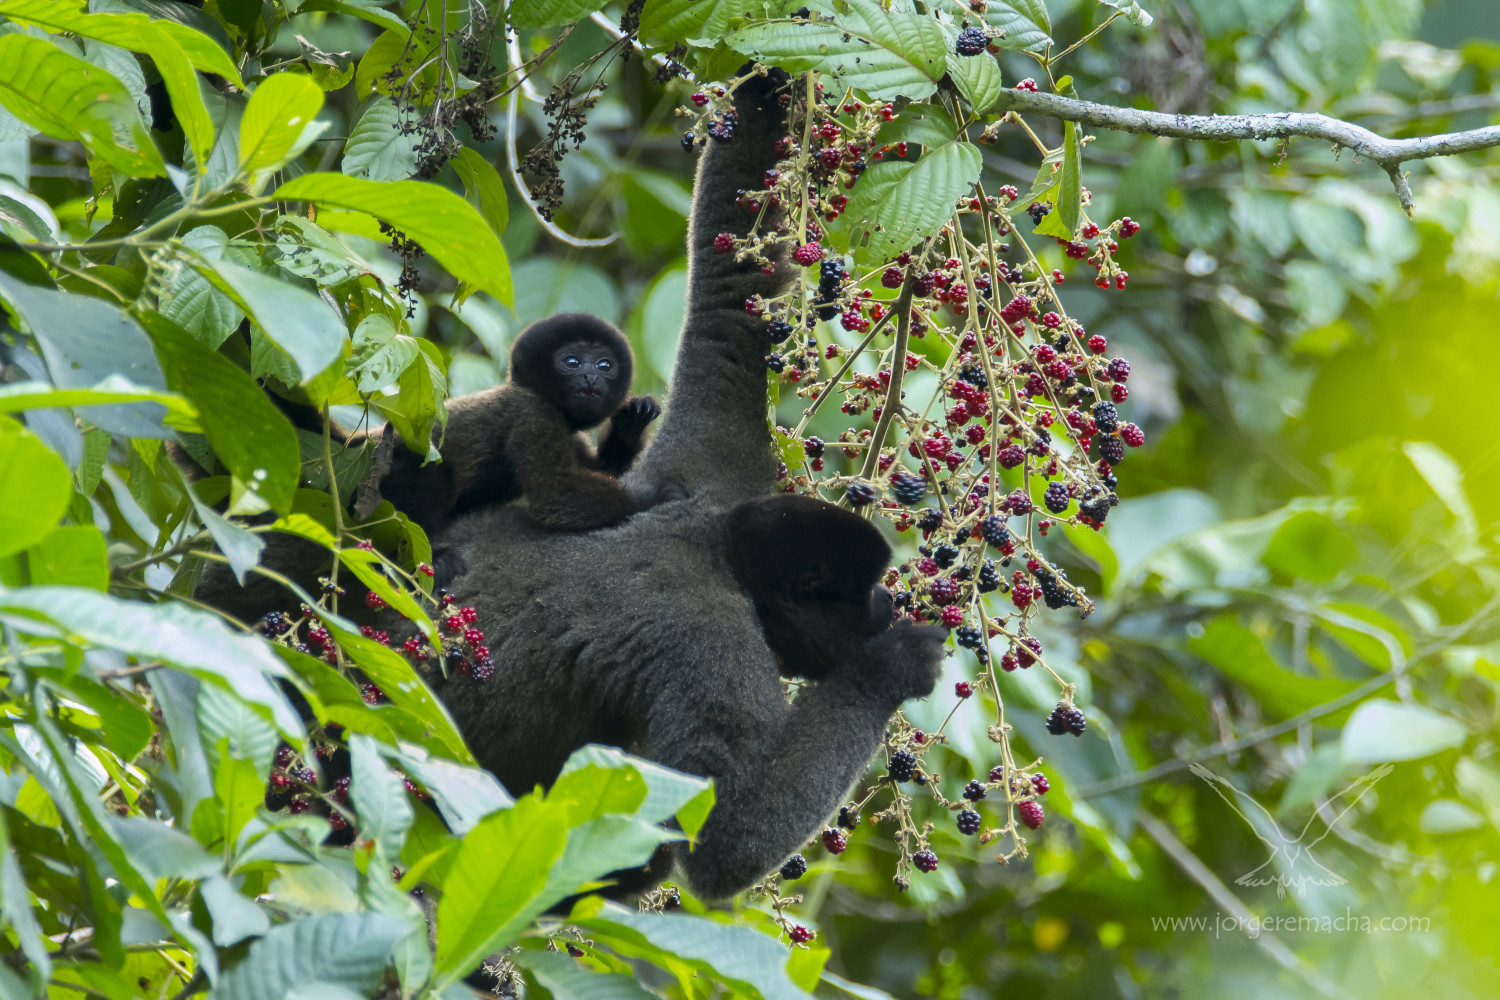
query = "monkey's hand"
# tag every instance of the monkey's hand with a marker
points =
(631, 420)
(899, 663)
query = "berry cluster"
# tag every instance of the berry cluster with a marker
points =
(1022, 440)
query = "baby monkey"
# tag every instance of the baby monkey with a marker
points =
(568, 373)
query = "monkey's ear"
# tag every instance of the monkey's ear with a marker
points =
(796, 545)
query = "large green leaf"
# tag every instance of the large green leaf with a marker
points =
(754, 964)
(73, 555)
(86, 341)
(67, 98)
(172, 633)
(378, 149)
(35, 488)
(898, 202)
(669, 794)
(279, 121)
(299, 322)
(1241, 655)
(544, 13)
(978, 78)
(680, 20)
(886, 54)
(379, 354)
(484, 188)
(191, 301)
(495, 884)
(563, 977)
(1382, 730)
(315, 956)
(378, 796)
(1025, 23)
(253, 439)
(464, 794)
(446, 226)
(129, 30)
(419, 404)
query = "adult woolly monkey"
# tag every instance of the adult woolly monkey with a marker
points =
(668, 634)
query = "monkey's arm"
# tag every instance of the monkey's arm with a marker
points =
(625, 436)
(780, 770)
(560, 492)
(714, 437)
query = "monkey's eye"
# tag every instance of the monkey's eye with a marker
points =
(605, 365)
(572, 361)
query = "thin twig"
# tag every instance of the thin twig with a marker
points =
(898, 372)
(1390, 154)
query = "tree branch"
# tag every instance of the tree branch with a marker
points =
(1388, 153)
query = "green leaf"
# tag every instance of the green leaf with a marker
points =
(670, 793)
(67, 98)
(886, 54)
(74, 555)
(444, 224)
(368, 10)
(484, 188)
(279, 122)
(898, 203)
(380, 354)
(253, 439)
(1309, 546)
(348, 950)
(1381, 730)
(752, 963)
(35, 488)
(294, 319)
(680, 20)
(1026, 23)
(1070, 184)
(494, 886)
(85, 341)
(173, 633)
(129, 30)
(1241, 655)
(309, 251)
(235, 917)
(223, 717)
(978, 78)
(15, 906)
(160, 851)
(378, 796)
(414, 409)
(566, 979)
(191, 301)
(545, 13)
(378, 149)
(464, 794)
(21, 396)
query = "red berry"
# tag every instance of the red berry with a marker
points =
(374, 600)
(1027, 84)
(426, 569)
(808, 254)
(1118, 392)
(699, 99)
(834, 841)
(1031, 813)
(1097, 344)
(365, 545)
(943, 591)
(892, 278)
(800, 934)
(1132, 435)
(724, 242)
(953, 616)
(372, 694)
(453, 623)
(299, 806)
(1128, 228)
(926, 861)
(963, 689)
(1039, 784)
(468, 614)
(412, 645)
(473, 636)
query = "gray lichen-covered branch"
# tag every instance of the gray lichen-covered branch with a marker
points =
(1388, 153)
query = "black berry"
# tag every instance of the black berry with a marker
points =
(971, 42)
(1112, 450)
(794, 868)
(848, 818)
(974, 791)
(989, 577)
(994, 531)
(969, 822)
(860, 494)
(902, 765)
(908, 489)
(1066, 718)
(1056, 498)
(944, 555)
(1106, 417)
(926, 861)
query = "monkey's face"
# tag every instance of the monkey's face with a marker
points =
(587, 376)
